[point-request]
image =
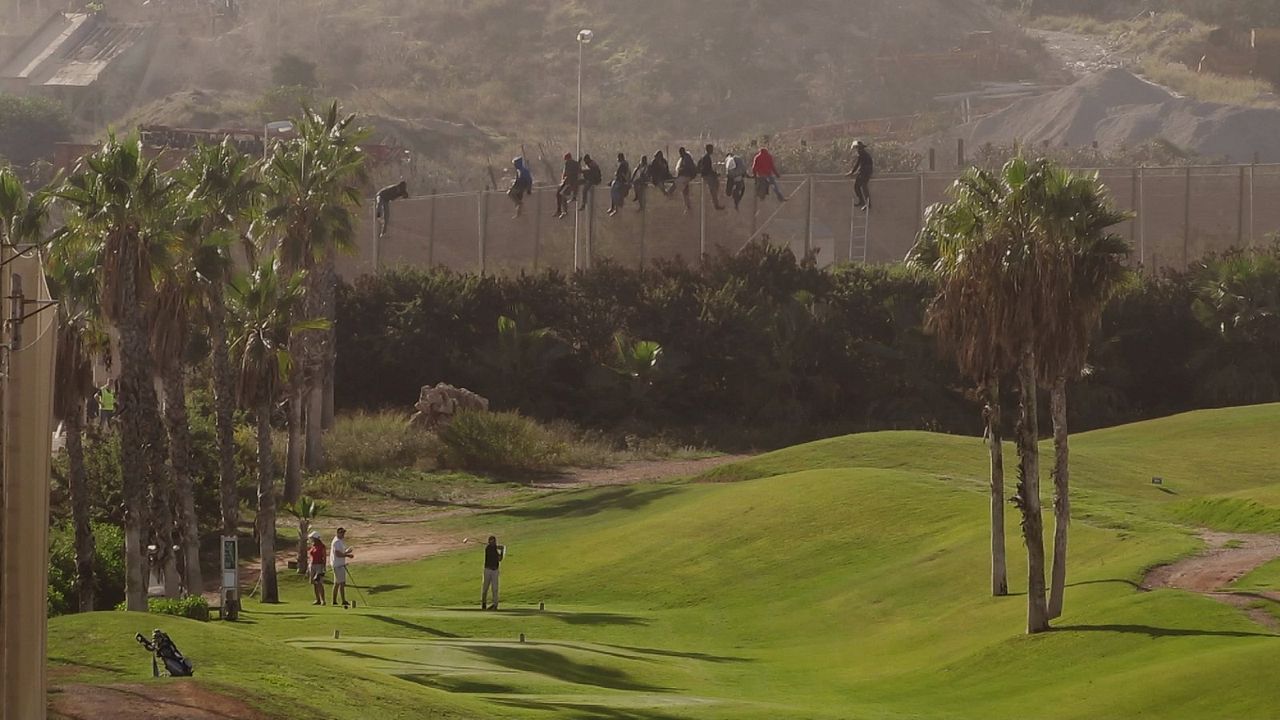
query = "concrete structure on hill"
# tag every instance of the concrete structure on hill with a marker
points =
(82, 59)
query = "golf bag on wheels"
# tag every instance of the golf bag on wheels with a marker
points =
(163, 650)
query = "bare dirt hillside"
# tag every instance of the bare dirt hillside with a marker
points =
(661, 68)
(1117, 109)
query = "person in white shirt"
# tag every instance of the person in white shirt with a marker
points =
(338, 554)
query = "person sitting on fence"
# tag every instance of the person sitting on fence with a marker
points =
(767, 175)
(735, 178)
(863, 169)
(640, 181)
(620, 186)
(591, 178)
(568, 190)
(382, 204)
(707, 170)
(660, 173)
(686, 171)
(521, 185)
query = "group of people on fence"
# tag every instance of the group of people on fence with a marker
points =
(580, 177)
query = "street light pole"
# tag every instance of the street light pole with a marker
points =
(584, 37)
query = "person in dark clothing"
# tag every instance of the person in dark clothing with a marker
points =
(382, 204)
(591, 178)
(569, 180)
(521, 185)
(863, 168)
(660, 173)
(640, 181)
(735, 178)
(707, 170)
(686, 171)
(493, 553)
(620, 186)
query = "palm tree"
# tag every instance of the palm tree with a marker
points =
(118, 202)
(988, 247)
(72, 271)
(1084, 268)
(261, 307)
(313, 185)
(222, 190)
(966, 319)
(305, 510)
(179, 300)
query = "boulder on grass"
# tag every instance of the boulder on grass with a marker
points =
(437, 404)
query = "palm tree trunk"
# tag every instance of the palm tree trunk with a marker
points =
(1028, 498)
(164, 533)
(79, 487)
(315, 428)
(1061, 496)
(304, 527)
(297, 439)
(999, 568)
(224, 412)
(137, 401)
(175, 415)
(266, 507)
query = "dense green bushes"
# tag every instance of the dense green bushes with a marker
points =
(761, 349)
(108, 568)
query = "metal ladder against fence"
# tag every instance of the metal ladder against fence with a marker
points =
(859, 233)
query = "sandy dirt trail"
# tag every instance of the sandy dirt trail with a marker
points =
(1228, 557)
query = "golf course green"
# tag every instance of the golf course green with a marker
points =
(846, 578)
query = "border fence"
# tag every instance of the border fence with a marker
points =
(1180, 214)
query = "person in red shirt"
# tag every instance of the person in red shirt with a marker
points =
(766, 174)
(316, 555)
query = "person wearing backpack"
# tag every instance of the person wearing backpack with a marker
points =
(640, 181)
(569, 180)
(521, 185)
(620, 186)
(707, 170)
(686, 171)
(591, 178)
(735, 179)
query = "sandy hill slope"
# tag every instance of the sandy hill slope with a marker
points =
(1116, 108)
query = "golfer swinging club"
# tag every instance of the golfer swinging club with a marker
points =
(339, 552)
(493, 553)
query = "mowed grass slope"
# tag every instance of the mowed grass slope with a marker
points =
(846, 579)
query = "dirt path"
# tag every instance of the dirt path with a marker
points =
(147, 701)
(1229, 557)
(1081, 54)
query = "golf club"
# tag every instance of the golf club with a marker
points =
(353, 584)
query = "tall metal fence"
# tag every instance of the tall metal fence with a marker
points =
(1180, 215)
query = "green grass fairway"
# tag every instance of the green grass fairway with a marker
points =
(840, 579)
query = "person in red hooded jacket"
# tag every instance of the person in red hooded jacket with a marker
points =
(766, 174)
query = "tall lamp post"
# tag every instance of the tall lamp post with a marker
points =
(584, 37)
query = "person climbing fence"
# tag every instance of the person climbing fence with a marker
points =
(707, 171)
(570, 178)
(640, 181)
(382, 204)
(767, 175)
(591, 179)
(863, 169)
(521, 184)
(620, 186)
